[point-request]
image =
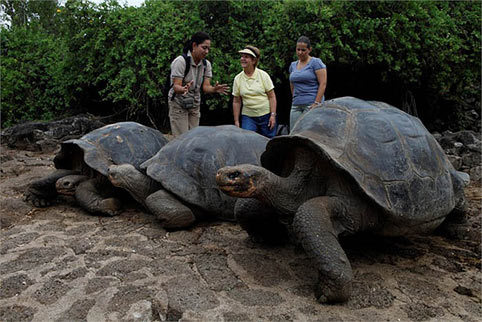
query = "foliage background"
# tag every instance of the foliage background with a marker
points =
(56, 60)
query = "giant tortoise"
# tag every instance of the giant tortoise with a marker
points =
(82, 166)
(349, 166)
(178, 184)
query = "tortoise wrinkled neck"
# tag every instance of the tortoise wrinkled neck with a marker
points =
(126, 176)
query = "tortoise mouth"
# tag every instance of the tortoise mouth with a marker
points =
(65, 192)
(113, 180)
(237, 190)
(235, 184)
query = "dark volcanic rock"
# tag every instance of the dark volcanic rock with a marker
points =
(45, 136)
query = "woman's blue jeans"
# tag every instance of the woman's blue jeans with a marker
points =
(296, 112)
(258, 124)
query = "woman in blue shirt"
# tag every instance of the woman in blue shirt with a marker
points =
(307, 81)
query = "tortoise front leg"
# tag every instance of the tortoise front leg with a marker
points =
(314, 226)
(89, 198)
(169, 210)
(40, 193)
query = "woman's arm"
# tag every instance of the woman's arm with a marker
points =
(236, 109)
(321, 75)
(178, 88)
(217, 88)
(272, 108)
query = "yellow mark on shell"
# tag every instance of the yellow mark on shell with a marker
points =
(119, 139)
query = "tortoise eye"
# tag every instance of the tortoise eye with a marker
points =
(234, 175)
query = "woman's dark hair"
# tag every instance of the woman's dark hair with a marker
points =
(198, 38)
(304, 40)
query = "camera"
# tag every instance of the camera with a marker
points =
(187, 102)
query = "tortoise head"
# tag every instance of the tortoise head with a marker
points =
(121, 175)
(242, 181)
(68, 185)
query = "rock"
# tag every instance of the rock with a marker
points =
(455, 160)
(465, 177)
(464, 149)
(470, 160)
(45, 136)
(140, 311)
(448, 138)
(467, 137)
(476, 174)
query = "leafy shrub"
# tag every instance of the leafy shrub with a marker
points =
(30, 88)
(422, 56)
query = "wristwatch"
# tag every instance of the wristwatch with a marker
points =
(273, 113)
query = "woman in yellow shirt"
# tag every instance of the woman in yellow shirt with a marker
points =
(254, 91)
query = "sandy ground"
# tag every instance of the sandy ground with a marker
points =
(62, 264)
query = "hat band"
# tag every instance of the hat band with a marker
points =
(252, 51)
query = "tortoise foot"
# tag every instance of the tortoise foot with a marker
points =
(111, 206)
(333, 292)
(176, 219)
(171, 212)
(35, 200)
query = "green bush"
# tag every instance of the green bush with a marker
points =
(393, 49)
(30, 87)
(422, 56)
